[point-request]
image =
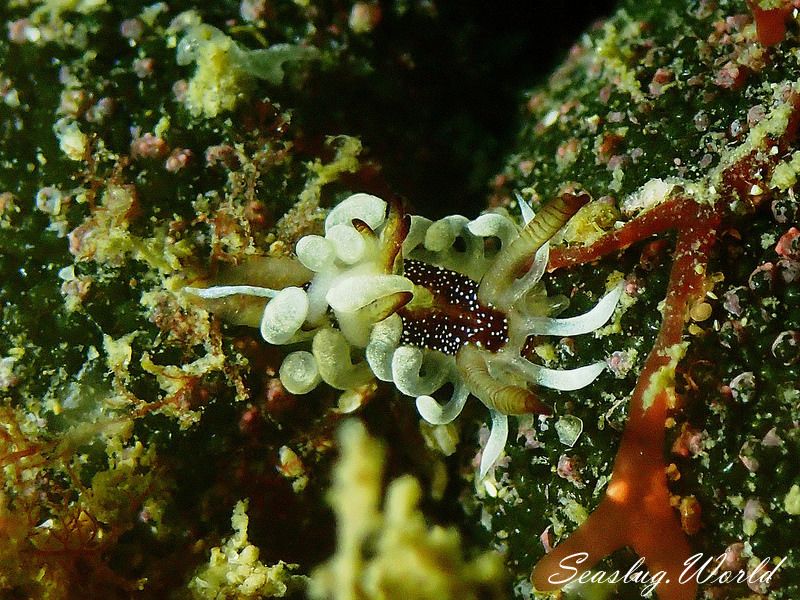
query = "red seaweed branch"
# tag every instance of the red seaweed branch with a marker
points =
(770, 23)
(636, 510)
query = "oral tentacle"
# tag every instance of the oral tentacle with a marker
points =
(437, 414)
(565, 380)
(225, 291)
(512, 260)
(498, 436)
(585, 323)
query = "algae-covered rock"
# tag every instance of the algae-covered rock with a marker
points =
(683, 124)
(150, 146)
(146, 148)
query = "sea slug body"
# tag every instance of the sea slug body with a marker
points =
(426, 304)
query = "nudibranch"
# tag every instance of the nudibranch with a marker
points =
(422, 304)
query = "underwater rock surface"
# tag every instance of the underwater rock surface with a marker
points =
(683, 127)
(148, 446)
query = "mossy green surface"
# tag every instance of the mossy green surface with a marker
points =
(669, 91)
(132, 422)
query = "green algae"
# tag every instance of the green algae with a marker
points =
(659, 100)
(141, 421)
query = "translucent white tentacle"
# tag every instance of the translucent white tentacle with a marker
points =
(566, 380)
(492, 224)
(223, 291)
(532, 277)
(418, 373)
(383, 342)
(525, 208)
(416, 233)
(436, 414)
(495, 444)
(594, 319)
(442, 233)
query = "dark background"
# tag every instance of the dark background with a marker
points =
(442, 106)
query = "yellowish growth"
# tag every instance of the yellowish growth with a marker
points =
(785, 174)
(574, 511)
(615, 60)
(305, 216)
(589, 224)
(346, 161)
(545, 351)
(13, 535)
(105, 236)
(700, 311)
(291, 467)
(178, 381)
(617, 175)
(625, 302)
(128, 485)
(72, 141)
(150, 13)
(39, 522)
(8, 208)
(54, 8)
(234, 570)
(393, 553)
(218, 82)
(773, 126)
(653, 192)
(664, 378)
(118, 353)
(226, 72)
(791, 503)
(771, 4)
(440, 438)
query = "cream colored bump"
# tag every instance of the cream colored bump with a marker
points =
(284, 315)
(368, 208)
(315, 252)
(299, 372)
(348, 243)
